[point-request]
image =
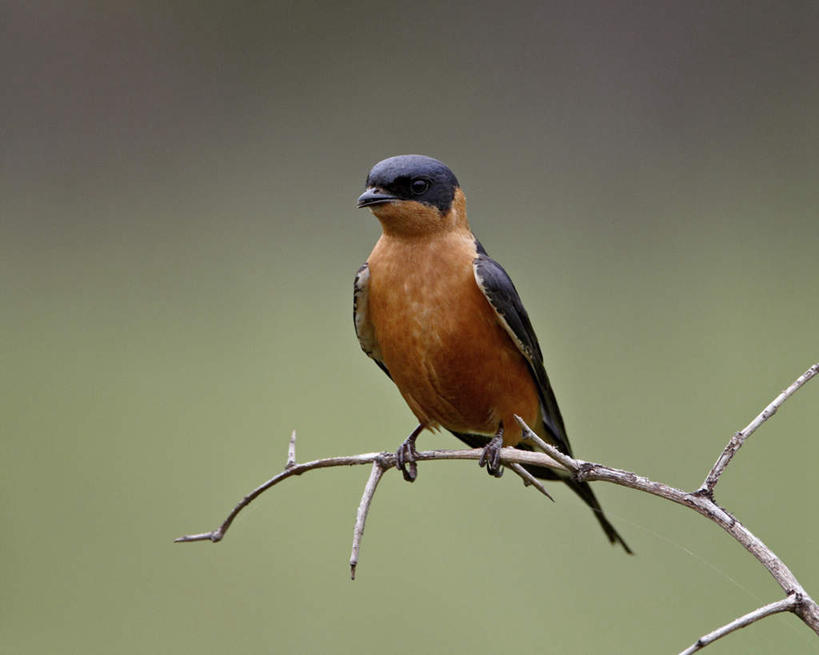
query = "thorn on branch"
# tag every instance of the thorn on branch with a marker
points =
(291, 451)
(529, 479)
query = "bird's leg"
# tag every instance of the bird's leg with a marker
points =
(406, 454)
(491, 455)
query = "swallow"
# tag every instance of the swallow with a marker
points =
(444, 321)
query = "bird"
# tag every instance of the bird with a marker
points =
(444, 321)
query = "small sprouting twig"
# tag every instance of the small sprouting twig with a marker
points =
(529, 479)
(787, 604)
(528, 434)
(363, 508)
(291, 451)
(739, 438)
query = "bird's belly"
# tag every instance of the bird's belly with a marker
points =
(451, 359)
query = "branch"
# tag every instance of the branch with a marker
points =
(361, 516)
(739, 438)
(702, 501)
(509, 456)
(787, 604)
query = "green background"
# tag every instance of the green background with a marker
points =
(178, 240)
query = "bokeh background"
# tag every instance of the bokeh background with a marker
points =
(178, 239)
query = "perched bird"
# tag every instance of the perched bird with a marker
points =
(444, 321)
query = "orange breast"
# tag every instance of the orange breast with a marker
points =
(441, 341)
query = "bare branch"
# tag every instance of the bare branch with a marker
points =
(363, 508)
(584, 471)
(702, 501)
(703, 504)
(739, 438)
(291, 451)
(785, 605)
(508, 457)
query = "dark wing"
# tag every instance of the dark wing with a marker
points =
(502, 295)
(361, 319)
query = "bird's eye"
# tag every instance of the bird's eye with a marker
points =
(419, 185)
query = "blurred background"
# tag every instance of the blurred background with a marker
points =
(178, 239)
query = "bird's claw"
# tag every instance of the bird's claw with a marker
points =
(491, 456)
(405, 458)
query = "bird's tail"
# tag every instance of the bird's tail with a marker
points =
(584, 490)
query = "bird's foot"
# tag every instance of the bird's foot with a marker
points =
(491, 455)
(406, 456)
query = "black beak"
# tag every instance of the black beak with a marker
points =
(375, 196)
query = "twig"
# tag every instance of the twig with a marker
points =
(291, 451)
(739, 438)
(529, 479)
(363, 508)
(785, 605)
(529, 435)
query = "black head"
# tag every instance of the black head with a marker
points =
(410, 177)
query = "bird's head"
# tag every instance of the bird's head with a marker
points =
(414, 194)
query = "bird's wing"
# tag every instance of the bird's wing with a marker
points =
(361, 318)
(497, 286)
